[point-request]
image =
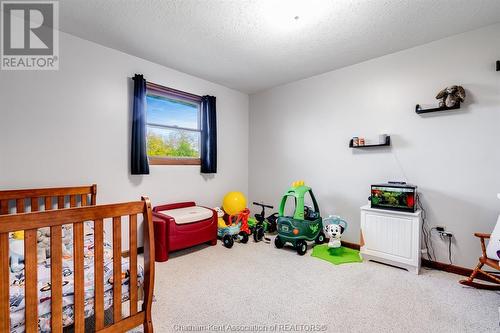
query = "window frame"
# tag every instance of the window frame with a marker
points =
(287, 201)
(153, 89)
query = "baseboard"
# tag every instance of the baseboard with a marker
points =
(446, 267)
(351, 245)
(434, 265)
(454, 269)
(126, 254)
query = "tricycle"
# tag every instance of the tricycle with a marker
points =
(262, 224)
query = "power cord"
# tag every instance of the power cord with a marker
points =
(427, 234)
(449, 250)
(443, 234)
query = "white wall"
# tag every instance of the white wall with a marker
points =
(72, 127)
(301, 131)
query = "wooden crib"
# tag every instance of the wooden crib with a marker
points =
(82, 208)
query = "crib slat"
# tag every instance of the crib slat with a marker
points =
(4, 280)
(60, 202)
(117, 269)
(99, 274)
(31, 279)
(56, 278)
(35, 205)
(4, 207)
(84, 200)
(48, 203)
(4, 273)
(72, 201)
(133, 263)
(78, 275)
(93, 195)
(19, 206)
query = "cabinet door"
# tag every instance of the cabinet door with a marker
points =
(388, 234)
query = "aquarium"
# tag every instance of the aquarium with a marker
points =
(402, 197)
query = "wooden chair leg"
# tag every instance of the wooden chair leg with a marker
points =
(148, 327)
(492, 277)
(475, 271)
(495, 282)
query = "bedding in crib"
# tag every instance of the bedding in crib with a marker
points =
(17, 284)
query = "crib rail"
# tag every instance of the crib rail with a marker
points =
(48, 197)
(30, 222)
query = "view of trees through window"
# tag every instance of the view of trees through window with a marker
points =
(177, 144)
(173, 127)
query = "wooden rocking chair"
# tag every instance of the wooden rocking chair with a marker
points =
(488, 276)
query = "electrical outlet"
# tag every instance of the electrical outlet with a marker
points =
(446, 234)
(441, 230)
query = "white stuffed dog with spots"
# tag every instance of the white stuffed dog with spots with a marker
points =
(334, 232)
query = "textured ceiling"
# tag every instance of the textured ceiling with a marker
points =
(254, 45)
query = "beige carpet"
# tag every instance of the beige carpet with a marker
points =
(256, 286)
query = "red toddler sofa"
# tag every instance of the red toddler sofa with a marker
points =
(187, 231)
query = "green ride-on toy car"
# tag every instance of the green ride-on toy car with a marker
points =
(306, 223)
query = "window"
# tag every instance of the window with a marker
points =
(173, 126)
(290, 206)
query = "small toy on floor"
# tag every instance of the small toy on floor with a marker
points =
(233, 224)
(262, 224)
(334, 227)
(220, 217)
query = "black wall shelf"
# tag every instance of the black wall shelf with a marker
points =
(419, 110)
(386, 144)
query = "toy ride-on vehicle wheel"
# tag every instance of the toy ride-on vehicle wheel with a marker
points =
(243, 237)
(320, 239)
(301, 247)
(278, 242)
(227, 240)
(258, 234)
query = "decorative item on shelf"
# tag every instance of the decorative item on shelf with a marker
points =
(361, 142)
(451, 96)
(498, 65)
(355, 141)
(449, 99)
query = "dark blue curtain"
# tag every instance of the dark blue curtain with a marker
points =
(208, 135)
(139, 156)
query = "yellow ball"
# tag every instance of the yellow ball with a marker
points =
(234, 202)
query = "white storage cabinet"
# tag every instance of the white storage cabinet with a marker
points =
(391, 237)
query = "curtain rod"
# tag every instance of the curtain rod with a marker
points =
(171, 91)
